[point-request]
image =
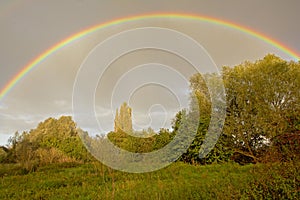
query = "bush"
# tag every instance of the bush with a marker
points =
(52, 155)
(284, 148)
(275, 181)
(3, 155)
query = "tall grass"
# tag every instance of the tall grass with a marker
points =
(178, 181)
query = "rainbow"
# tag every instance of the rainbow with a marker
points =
(89, 30)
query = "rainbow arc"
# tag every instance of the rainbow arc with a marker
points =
(5, 90)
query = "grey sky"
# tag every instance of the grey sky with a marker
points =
(28, 29)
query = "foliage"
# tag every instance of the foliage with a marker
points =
(3, 153)
(123, 119)
(52, 141)
(178, 181)
(263, 106)
(262, 126)
(275, 181)
(262, 122)
(61, 134)
(149, 142)
(201, 100)
(285, 147)
(262, 103)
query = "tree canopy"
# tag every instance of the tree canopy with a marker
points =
(262, 121)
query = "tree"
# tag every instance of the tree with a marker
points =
(142, 141)
(204, 143)
(123, 119)
(54, 140)
(262, 103)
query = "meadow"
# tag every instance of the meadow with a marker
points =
(177, 181)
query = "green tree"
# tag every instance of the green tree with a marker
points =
(61, 134)
(54, 140)
(201, 100)
(262, 103)
(123, 119)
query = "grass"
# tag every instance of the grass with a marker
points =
(178, 181)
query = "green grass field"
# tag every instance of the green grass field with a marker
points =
(178, 181)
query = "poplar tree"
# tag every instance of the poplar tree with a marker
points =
(123, 119)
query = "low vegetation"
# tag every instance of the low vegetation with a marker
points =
(178, 181)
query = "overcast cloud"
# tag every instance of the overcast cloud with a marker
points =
(28, 29)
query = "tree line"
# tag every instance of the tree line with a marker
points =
(262, 122)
